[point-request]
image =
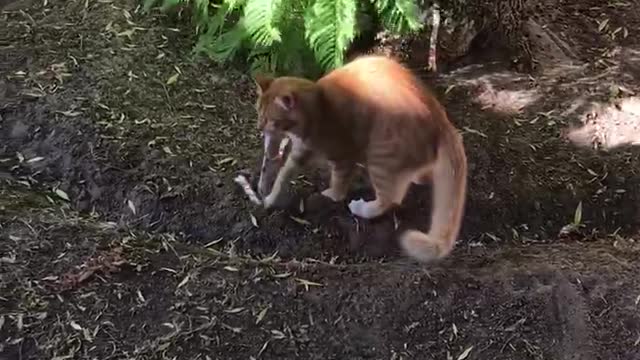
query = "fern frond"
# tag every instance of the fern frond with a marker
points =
(222, 47)
(263, 61)
(201, 8)
(399, 16)
(294, 56)
(330, 27)
(148, 4)
(235, 4)
(168, 4)
(296, 37)
(215, 23)
(260, 20)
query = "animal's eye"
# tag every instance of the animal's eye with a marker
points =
(282, 124)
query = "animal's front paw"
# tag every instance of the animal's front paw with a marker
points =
(269, 201)
(366, 209)
(359, 208)
(333, 195)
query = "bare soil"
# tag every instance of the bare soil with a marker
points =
(123, 235)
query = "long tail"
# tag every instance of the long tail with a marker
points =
(448, 204)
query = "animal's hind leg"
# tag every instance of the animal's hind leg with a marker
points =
(341, 175)
(390, 190)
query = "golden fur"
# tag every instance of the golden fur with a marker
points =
(374, 111)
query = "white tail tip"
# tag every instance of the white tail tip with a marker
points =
(423, 247)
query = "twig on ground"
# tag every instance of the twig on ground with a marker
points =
(433, 42)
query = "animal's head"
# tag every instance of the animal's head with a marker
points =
(284, 103)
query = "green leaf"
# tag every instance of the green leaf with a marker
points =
(235, 4)
(223, 47)
(216, 22)
(263, 60)
(295, 37)
(330, 27)
(293, 56)
(260, 21)
(201, 8)
(148, 4)
(399, 16)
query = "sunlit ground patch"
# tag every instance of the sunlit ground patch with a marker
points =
(609, 125)
(502, 92)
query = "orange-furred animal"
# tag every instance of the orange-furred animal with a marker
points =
(372, 111)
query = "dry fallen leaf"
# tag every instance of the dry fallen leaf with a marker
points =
(11, 259)
(61, 194)
(282, 276)
(225, 160)
(128, 33)
(35, 159)
(184, 281)
(173, 79)
(142, 299)
(234, 310)
(465, 353)
(474, 131)
(300, 221)
(449, 88)
(307, 283)
(577, 216)
(69, 113)
(131, 206)
(259, 319)
(602, 25)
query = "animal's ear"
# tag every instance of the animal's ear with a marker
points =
(262, 82)
(287, 102)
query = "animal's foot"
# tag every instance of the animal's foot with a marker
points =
(333, 195)
(269, 201)
(364, 209)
